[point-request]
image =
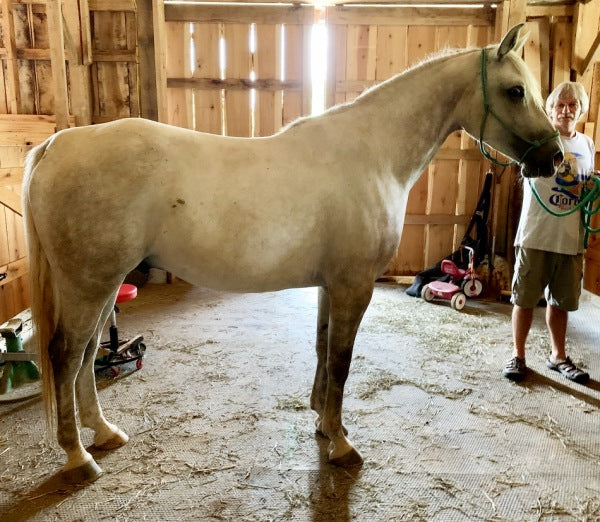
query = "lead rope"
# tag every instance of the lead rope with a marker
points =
(589, 204)
(487, 110)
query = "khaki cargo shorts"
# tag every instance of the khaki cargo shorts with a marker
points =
(557, 275)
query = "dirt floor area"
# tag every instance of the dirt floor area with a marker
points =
(221, 430)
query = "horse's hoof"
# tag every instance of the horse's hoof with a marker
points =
(116, 440)
(347, 460)
(83, 474)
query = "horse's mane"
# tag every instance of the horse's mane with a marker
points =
(430, 60)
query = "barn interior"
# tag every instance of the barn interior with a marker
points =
(218, 414)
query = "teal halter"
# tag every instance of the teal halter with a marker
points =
(487, 110)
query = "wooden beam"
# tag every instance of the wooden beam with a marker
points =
(26, 129)
(435, 219)
(585, 32)
(76, 16)
(407, 15)
(14, 270)
(549, 11)
(146, 57)
(246, 14)
(11, 199)
(233, 84)
(57, 60)
(86, 32)
(517, 12)
(124, 55)
(113, 5)
(592, 56)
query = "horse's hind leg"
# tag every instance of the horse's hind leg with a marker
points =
(347, 306)
(66, 353)
(107, 436)
(317, 397)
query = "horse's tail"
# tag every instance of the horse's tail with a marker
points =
(44, 308)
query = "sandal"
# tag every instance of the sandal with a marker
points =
(569, 370)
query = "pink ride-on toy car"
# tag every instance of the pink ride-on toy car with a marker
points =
(457, 295)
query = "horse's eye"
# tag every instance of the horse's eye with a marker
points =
(516, 93)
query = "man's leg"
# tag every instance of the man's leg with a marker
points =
(521, 324)
(556, 319)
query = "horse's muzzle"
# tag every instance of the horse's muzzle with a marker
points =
(544, 161)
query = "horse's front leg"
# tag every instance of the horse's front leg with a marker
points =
(107, 436)
(319, 390)
(66, 361)
(347, 306)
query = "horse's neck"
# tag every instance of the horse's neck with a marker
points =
(420, 108)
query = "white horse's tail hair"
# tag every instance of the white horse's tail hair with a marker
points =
(44, 309)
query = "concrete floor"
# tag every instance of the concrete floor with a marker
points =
(220, 427)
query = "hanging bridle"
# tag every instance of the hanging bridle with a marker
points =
(487, 110)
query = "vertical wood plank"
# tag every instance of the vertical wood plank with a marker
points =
(207, 103)
(13, 93)
(269, 110)
(77, 24)
(532, 50)
(585, 21)
(57, 59)
(179, 104)
(160, 58)
(148, 79)
(561, 53)
(421, 42)
(237, 65)
(360, 55)
(294, 71)
(26, 68)
(4, 248)
(336, 64)
(391, 52)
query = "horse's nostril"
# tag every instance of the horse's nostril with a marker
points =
(558, 158)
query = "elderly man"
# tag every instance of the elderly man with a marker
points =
(549, 249)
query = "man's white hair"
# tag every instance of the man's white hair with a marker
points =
(572, 90)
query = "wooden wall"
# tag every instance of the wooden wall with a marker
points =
(240, 71)
(370, 44)
(82, 62)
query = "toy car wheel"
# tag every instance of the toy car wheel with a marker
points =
(472, 287)
(426, 293)
(458, 301)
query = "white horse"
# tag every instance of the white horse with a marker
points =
(321, 203)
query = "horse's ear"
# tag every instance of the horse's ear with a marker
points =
(511, 42)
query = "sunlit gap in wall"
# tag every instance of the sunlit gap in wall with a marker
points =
(318, 60)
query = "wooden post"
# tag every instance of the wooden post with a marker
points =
(146, 58)
(57, 59)
(79, 55)
(160, 58)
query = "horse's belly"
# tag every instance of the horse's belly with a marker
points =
(238, 275)
(240, 259)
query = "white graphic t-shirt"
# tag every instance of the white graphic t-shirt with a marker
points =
(537, 227)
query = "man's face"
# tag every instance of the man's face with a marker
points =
(564, 116)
